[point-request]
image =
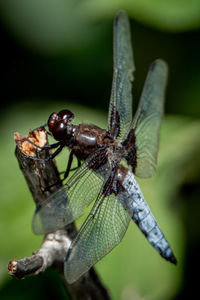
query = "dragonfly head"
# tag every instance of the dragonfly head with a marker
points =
(58, 124)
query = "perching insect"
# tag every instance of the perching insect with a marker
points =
(101, 177)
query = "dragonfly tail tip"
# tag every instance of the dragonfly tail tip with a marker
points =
(173, 260)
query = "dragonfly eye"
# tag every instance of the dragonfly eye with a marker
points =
(66, 115)
(52, 120)
(57, 123)
(59, 130)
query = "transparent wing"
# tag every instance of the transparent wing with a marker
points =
(100, 233)
(147, 120)
(120, 108)
(68, 203)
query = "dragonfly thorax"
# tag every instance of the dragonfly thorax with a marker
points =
(115, 153)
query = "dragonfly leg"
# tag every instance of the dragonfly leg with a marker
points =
(79, 164)
(46, 147)
(66, 173)
(69, 164)
(50, 157)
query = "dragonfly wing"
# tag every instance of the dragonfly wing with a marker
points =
(120, 108)
(141, 214)
(68, 203)
(100, 233)
(147, 121)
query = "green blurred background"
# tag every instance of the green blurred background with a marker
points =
(58, 54)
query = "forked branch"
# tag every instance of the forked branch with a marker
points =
(42, 178)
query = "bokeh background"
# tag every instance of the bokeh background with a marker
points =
(58, 54)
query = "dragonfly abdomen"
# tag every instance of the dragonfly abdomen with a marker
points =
(143, 217)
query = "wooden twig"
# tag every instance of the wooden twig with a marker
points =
(40, 176)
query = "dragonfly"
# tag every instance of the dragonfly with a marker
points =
(108, 160)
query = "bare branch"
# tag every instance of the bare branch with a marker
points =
(40, 176)
(25, 266)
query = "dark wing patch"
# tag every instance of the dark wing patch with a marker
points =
(147, 121)
(130, 147)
